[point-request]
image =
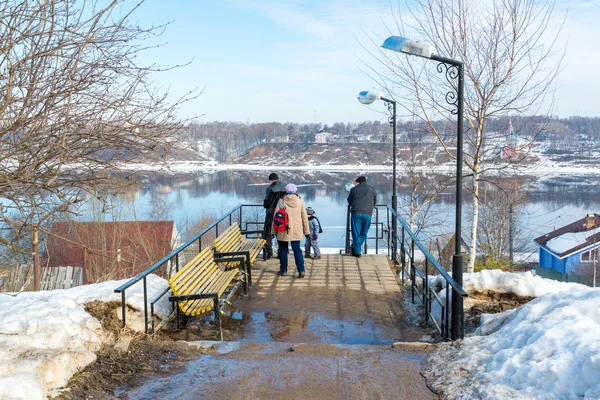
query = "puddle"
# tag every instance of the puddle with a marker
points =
(302, 327)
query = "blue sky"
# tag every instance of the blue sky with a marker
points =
(296, 60)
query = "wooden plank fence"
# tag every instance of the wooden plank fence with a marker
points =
(61, 278)
(20, 278)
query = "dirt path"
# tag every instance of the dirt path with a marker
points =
(340, 321)
(302, 371)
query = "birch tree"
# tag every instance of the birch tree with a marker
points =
(75, 104)
(511, 61)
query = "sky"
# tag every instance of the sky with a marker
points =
(304, 60)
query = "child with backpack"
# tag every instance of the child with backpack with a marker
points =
(290, 223)
(312, 240)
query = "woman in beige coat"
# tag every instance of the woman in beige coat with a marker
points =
(298, 227)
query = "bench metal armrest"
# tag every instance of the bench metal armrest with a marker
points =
(252, 233)
(156, 299)
(231, 253)
(195, 296)
(211, 295)
(231, 256)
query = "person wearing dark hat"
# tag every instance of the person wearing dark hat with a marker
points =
(362, 200)
(274, 192)
(312, 241)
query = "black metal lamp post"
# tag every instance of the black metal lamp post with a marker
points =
(454, 69)
(367, 97)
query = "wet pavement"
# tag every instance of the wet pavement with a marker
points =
(302, 371)
(326, 336)
(341, 300)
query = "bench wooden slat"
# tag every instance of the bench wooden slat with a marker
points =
(200, 275)
(197, 282)
(209, 286)
(200, 266)
(206, 285)
(197, 307)
(232, 240)
(227, 240)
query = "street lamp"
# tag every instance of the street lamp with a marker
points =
(368, 97)
(453, 69)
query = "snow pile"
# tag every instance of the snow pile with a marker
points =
(523, 284)
(46, 337)
(547, 348)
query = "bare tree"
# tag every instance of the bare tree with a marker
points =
(508, 47)
(75, 104)
(501, 204)
(423, 185)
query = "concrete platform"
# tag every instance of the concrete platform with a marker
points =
(341, 300)
(326, 336)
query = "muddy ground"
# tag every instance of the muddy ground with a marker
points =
(167, 353)
(116, 369)
(490, 303)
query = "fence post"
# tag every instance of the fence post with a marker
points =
(403, 256)
(118, 263)
(85, 271)
(348, 231)
(413, 275)
(36, 260)
(426, 291)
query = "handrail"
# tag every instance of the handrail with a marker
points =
(401, 239)
(172, 254)
(457, 288)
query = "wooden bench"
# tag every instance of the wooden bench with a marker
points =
(198, 286)
(233, 243)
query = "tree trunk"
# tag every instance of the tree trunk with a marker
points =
(473, 250)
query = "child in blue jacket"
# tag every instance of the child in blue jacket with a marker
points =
(312, 240)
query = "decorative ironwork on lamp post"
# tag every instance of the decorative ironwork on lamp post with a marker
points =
(454, 71)
(367, 97)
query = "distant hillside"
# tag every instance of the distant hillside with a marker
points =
(337, 154)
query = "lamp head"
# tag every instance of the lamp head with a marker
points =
(368, 97)
(407, 46)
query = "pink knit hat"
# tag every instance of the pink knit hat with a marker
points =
(291, 188)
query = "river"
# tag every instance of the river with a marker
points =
(185, 197)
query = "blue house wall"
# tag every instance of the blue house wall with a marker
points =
(550, 261)
(572, 261)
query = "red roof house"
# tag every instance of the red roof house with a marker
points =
(95, 246)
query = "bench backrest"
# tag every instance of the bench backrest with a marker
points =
(195, 277)
(229, 239)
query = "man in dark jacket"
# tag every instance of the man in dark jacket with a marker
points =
(274, 192)
(362, 200)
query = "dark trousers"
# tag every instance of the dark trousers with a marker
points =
(360, 229)
(283, 256)
(267, 234)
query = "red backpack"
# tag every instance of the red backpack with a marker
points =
(281, 221)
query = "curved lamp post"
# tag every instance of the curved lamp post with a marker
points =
(368, 97)
(454, 69)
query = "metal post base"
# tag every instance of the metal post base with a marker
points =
(457, 330)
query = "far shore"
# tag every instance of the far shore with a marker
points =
(537, 170)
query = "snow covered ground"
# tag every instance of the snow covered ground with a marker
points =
(548, 348)
(46, 337)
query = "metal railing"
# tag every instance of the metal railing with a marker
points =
(400, 247)
(238, 215)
